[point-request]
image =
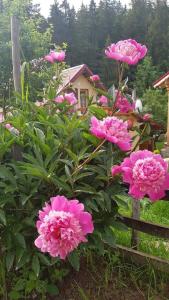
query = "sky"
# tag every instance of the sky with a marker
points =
(45, 4)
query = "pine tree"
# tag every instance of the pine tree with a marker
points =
(158, 35)
(146, 74)
(138, 20)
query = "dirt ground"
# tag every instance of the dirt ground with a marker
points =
(102, 283)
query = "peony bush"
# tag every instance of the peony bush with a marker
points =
(61, 184)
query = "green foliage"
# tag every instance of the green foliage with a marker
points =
(35, 39)
(155, 102)
(145, 76)
(51, 147)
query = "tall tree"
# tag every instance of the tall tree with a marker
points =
(146, 74)
(138, 19)
(158, 35)
(57, 21)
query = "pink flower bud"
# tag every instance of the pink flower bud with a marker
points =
(95, 78)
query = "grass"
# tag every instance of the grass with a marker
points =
(156, 213)
(111, 278)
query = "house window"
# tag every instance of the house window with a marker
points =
(76, 93)
(83, 98)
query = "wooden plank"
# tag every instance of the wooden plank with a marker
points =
(135, 215)
(146, 227)
(140, 258)
(16, 53)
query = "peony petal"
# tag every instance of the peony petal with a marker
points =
(135, 192)
(86, 222)
(116, 170)
(59, 203)
(154, 196)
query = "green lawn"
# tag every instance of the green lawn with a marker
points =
(156, 213)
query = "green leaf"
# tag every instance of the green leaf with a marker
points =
(44, 259)
(14, 295)
(122, 200)
(24, 259)
(98, 243)
(82, 175)
(19, 254)
(109, 237)
(72, 155)
(91, 138)
(21, 240)
(97, 111)
(9, 260)
(2, 217)
(6, 174)
(52, 289)
(74, 260)
(36, 265)
(20, 284)
(108, 202)
(92, 205)
(119, 226)
(40, 134)
(67, 171)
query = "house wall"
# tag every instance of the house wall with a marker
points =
(82, 83)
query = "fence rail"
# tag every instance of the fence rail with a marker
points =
(139, 257)
(146, 227)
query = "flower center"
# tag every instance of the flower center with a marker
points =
(126, 49)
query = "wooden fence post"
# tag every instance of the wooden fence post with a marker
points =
(135, 215)
(135, 205)
(16, 62)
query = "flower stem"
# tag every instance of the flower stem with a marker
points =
(89, 158)
(120, 74)
(141, 135)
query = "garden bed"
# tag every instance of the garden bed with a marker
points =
(110, 280)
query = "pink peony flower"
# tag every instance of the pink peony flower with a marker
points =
(95, 78)
(128, 51)
(49, 58)
(70, 98)
(58, 56)
(123, 104)
(112, 129)
(62, 226)
(8, 126)
(147, 117)
(12, 129)
(103, 100)
(55, 56)
(59, 99)
(146, 173)
(2, 118)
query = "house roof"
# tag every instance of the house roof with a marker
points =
(71, 74)
(161, 81)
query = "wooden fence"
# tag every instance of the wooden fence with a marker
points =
(139, 257)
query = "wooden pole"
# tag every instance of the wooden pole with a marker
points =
(135, 205)
(16, 62)
(167, 87)
(135, 215)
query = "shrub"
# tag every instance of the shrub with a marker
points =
(50, 152)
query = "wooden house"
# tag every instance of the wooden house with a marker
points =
(163, 82)
(77, 79)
